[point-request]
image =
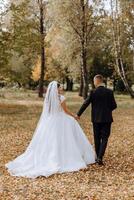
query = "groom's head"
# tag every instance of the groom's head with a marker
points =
(98, 80)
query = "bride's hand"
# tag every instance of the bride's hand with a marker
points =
(69, 112)
(77, 117)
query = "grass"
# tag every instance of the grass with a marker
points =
(19, 114)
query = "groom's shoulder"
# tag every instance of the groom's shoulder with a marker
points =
(103, 89)
(109, 91)
(94, 90)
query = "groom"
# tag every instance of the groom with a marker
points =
(103, 103)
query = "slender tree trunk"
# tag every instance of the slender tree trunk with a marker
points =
(114, 84)
(83, 31)
(42, 34)
(69, 84)
(19, 84)
(117, 48)
(84, 52)
(84, 74)
(69, 81)
(119, 63)
(105, 82)
(81, 85)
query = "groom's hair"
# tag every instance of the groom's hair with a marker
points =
(100, 77)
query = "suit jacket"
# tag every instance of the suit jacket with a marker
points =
(102, 104)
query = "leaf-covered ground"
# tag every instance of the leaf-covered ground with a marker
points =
(19, 114)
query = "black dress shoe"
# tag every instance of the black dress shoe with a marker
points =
(99, 162)
(96, 160)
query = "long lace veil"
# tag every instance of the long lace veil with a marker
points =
(51, 106)
(52, 100)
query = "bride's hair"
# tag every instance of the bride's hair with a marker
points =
(58, 85)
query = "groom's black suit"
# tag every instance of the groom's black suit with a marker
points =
(102, 104)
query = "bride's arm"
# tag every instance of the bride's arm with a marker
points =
(63, 104)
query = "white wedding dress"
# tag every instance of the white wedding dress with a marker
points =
(58, 145)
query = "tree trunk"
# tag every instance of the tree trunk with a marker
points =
(42, 34)
(19, 84)
(84, 52)
(81, 85)
(105, 82)
(114, 84)
(92, 84)
(123, 77)
(69, 84)
(84, 74)
(118, 50)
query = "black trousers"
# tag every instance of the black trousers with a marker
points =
(101, 135)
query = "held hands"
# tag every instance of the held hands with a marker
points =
(77, 117)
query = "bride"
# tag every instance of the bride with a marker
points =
(58, 144)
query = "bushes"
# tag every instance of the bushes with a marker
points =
(120, 87)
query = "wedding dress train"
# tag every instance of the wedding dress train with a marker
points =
(58, 145)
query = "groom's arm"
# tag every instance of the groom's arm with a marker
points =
(85, 104)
